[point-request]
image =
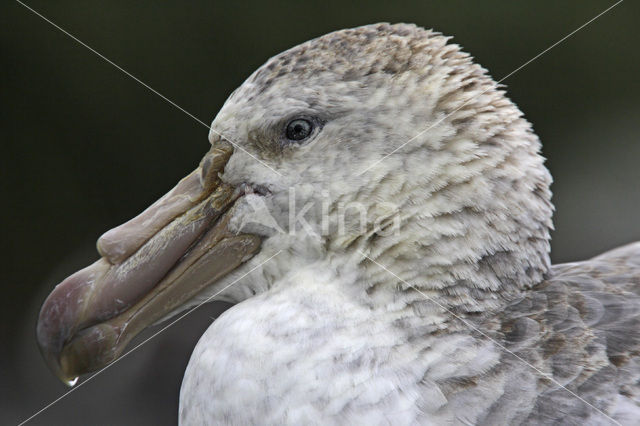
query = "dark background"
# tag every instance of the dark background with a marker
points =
(84, 147)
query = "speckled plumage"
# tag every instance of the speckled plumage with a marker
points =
(322, 333)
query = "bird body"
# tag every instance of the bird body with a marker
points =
(310, 351)
(379, 213)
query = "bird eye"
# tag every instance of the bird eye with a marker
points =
(299, 129)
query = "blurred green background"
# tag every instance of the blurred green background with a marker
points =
(85, 147)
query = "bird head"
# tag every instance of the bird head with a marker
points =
(380, 144)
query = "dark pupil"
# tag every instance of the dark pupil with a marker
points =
(298, 130)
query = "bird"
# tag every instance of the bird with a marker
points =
(378, 212)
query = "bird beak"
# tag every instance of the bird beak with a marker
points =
(150, 267)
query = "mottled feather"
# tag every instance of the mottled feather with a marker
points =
(580, 329)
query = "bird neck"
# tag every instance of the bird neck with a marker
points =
(471, 237)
